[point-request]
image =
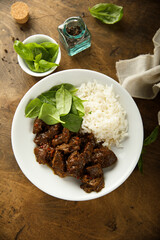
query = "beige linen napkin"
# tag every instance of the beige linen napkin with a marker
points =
(140, 76)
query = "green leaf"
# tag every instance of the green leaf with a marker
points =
(73, 109)
(140, 164)
(36, 65)
(140, 161)
(63, 101)
(46, 65)
(38, 57)
(49, 114)
(78, 103)
(31, 65)
(48, 97)
(52, 48)
(37, 49)
(72, 122)
(33, 108)
(152, 137)
(23, 51)
(67, 86)
(54, 57)
(107, 13)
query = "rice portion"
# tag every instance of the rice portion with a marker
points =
(104, 116)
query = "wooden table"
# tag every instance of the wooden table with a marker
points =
(133, 210)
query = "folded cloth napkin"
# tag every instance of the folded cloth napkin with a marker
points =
(140, 76)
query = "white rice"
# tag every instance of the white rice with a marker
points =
(104, 116)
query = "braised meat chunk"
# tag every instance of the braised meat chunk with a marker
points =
(104, 156)
(90, 185)
(73, 145)
(44, 153)
(47, 136)
(38, 126)
(93, 179)
(58, 164)
(41, 155)
(72, 154)
(94, 170)
(87, 153)
(61, 138)
(75, 165)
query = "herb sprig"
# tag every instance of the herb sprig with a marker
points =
(150, 139)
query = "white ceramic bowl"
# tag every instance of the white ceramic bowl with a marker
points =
(69, 188)
(38, 38)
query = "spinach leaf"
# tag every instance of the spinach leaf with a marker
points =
(33, 108)
(107, 13)
(78, 103)
(72, 122)
(38, 57)
(34, 66)
(140, 164)
(49, 114)
(23, 51)
(67, 86)
(52, 48)
(46, 65)
(150, 139)
(54, 57)
(37, 49)
(31, 65)
(73, 109)
(48, 97)
(43, 65)
(63, 101)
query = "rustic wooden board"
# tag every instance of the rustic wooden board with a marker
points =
(133, 210)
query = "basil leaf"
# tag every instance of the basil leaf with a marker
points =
(72, 122)
(152, 137)
(49, 114)
(63, 101)
(23, 51)
(107, 13)
(33, 108)
(48, 97)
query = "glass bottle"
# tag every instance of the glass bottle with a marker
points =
(74, 35)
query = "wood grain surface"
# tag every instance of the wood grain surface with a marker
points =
(133, 210)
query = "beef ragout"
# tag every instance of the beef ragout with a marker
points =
(72, 154)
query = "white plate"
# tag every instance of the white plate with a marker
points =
(69, 188)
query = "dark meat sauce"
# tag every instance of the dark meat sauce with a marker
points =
(72, 154)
